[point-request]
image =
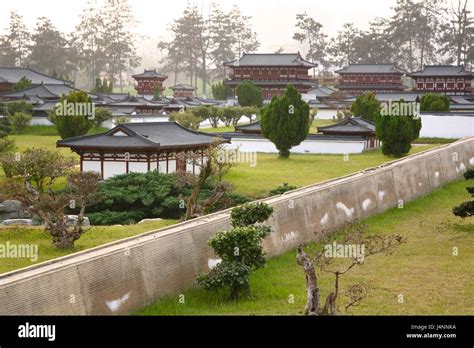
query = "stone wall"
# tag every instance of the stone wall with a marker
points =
(126, 275)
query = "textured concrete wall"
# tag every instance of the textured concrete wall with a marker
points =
(123, 276)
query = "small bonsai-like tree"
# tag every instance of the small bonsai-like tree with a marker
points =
(239, 249)
(71, 115)
(326, 262)
(286, 121)
(434, 102)
(249, 94)
(32, 178)
(397, 133)
(186, 118)
(466, 209)
(366, 106)
(101, 115)
(19, 121)
(22, 84)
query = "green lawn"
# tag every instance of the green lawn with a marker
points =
(300, 170)
(424, 270)
(93, 237)
(270, 171)
(312, 130)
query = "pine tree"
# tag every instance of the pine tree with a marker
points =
(286, 121)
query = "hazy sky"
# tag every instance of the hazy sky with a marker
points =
(273, 20)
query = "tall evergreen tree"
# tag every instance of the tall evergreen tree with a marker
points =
(49, 49)
(14, 45)
(118, 39)
(286, 121)
(310, 32)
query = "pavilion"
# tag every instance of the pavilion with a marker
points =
(140, 147)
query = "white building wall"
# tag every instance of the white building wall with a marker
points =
(40, 121)
(114, 168)
(91, 166)
(446, 126)
(326, 114)
(307, 146)
(137, 167)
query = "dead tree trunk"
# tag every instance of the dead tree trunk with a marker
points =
(312, 302)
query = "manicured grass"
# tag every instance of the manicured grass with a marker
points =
(93, 237)
(423, 270)
(26, 141)
(270, 171)
(434, 141)
(51, 130)
(313, 129)
(300, 170)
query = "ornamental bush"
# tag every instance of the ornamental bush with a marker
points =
(397, 133)
(286, 121)
(249, 94)
(76, 124)
(366, 106)
(434, 102)
(239, 249)
(466, 209)
(128, 198)
(282, 189)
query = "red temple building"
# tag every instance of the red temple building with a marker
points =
(360, 78)
(148, 81)
(183, 90)
(447, 79)
(271, 72)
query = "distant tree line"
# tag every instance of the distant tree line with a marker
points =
(199, 42)
(103, 41)
(419, 32)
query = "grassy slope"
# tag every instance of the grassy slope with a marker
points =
(424, 271)
(300, 170)
(93, 237)
(270, 171)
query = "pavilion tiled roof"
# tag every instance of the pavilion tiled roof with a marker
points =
(441, 70)
(142, 136)
(351, 125)
(14, 74)
(251, 127)
(271, 59)
(370, 69)
(42, 91)
(150, 74)
(183, 86)
(274, 82)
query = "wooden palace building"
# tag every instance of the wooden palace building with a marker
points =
(447, 79)
(148, 81)
(271, 72)
(140, 147)
(359, 78)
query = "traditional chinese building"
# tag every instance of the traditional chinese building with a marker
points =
(9, 76)
(148, 81)
(140, 147)
(183, 90)
(354, 126)
(447, 79)
(360, 78)
(271, 72)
